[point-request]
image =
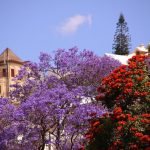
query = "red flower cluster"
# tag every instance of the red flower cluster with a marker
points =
(127, 91)
(125, 84)
(124, 125)
(93, 129)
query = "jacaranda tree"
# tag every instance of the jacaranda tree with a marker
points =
(54, 99)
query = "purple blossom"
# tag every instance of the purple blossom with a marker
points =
(52, 99)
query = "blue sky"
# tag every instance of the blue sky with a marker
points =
(31, 26)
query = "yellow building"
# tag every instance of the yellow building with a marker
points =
(9, 67)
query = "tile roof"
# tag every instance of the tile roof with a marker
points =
(8, 55)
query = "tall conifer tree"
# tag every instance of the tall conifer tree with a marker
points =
(122, 38)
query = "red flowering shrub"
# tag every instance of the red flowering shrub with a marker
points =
(126, 92)
(126, 84)
(119, 130)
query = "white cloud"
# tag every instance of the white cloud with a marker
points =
(71, 25)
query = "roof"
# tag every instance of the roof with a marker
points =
(141, 48)
(8, 55)
(123, 59)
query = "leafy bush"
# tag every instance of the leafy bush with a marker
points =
(119, 130)
(126, 92)
(126, 84)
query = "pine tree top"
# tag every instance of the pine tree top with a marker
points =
(122, 38)
(121, 19)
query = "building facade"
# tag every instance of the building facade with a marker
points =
(9, 67)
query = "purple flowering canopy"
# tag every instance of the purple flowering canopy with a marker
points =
(55, 100)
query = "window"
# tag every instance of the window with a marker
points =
(12, 72)
(4, 73)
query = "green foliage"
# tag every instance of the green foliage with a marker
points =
(105, 136)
